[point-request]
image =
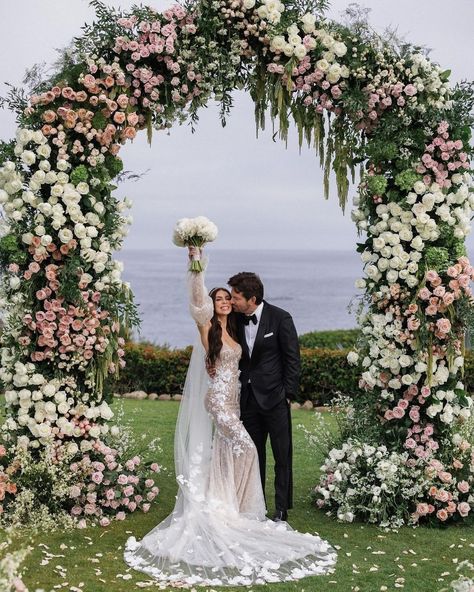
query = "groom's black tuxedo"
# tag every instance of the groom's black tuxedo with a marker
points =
(270, 376)
(274, 367)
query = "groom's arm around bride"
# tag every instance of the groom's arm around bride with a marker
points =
(270, 369)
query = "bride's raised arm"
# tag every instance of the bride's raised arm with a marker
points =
(201, 306)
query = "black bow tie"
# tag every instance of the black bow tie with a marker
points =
(249, 318)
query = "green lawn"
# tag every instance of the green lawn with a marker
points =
(414, 559)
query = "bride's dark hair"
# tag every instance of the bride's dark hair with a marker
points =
(214, 336)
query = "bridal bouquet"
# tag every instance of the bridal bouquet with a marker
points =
(194, 232)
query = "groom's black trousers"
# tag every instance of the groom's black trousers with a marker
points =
(276, 423)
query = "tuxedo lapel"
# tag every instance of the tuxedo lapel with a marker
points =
(262, 327)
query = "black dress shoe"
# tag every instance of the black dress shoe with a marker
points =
(280, 516)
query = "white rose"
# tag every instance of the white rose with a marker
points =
(248, 4)
(28, 157)
(105, 411)
(300, 51)
(65, 235)
(420, 187)
(322, 65)
(339, 48)
(352, 357)
(44, 430)
(262, 12)
(15, 282)
(44, 150)
(82, 188)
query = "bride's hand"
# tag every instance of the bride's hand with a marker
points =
(194, 253)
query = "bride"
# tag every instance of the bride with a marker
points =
(217, 533)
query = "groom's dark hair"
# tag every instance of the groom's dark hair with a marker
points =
(248, 284)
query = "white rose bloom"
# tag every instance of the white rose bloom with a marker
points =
(105, 411)
(65, 235)
(262, 12)
(28, 157)
(334, 73)
(43, 430)
(94, 432)
(352, 357)
(39, 137)
(44, 150)
(14, 282)
(294, 39)
(248, 4)
(322, 65)
(80, 230)
(288, 50)
(420, 187)
(82, 188)
(339, 48)
(24, 136)
(300, 51)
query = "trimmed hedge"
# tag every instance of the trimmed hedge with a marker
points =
(337, 339)
(324, 372)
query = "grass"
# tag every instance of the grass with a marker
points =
(413, 559)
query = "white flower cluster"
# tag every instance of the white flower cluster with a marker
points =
(446, 405)
(304, 37)
(426, 77)
(359, 479)
(269, 10)
(45, 406)
(62, 210)
(194, 231)
(387, 355)
(400, 235)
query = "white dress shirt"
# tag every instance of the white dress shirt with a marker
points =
(251, 329)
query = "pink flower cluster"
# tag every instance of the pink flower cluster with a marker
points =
(448, 496)
(72, 332)
(147, 54)
(442, 157)
(385, 96)
(8, 488)
(312, 83)
(104, 488)
(437, 297)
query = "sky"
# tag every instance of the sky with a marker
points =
(261, 194)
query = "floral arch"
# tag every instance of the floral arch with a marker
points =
(359, 101)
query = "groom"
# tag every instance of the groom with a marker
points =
(270, 368)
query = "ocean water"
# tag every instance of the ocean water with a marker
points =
(316, 287)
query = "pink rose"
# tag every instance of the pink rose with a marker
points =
(146, 507)
(104, 521)
(463, 486)
(410, 443)
(148, 482)
(410, 90)
(74, 491)
(424, 293)
(120, 516)
(122, 479)
(402, 403)
(422, 509)
(442, 515)
(97, 477)
(464, 508)
(443, 325)
(445, 476)
(398, 412)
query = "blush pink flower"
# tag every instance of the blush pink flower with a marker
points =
(464, 508)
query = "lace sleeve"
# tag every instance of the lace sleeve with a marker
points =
(201, 306)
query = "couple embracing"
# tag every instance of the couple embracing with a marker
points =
(243, 371)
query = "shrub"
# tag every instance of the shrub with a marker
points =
(339, 339)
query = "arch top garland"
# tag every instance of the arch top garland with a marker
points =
(358, 100)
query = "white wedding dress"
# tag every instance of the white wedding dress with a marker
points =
(217, 534)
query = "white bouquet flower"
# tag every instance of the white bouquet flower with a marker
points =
(194, 232)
